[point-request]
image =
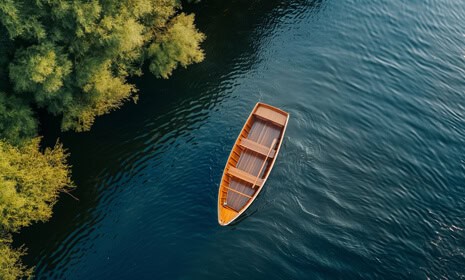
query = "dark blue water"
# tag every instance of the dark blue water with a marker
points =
(370, 181)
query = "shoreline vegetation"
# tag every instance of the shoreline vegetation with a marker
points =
(71, 59)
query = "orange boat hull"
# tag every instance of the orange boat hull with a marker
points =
(251, 160)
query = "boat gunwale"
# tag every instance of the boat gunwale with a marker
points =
(273, 160)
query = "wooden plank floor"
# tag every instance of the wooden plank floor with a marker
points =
(263, 133)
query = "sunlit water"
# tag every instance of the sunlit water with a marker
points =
(370, 181)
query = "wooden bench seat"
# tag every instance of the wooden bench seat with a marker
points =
(259, 148)
(271, 115)
(241, 174)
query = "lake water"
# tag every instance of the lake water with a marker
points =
(370, 181)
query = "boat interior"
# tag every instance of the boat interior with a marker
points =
(252, 157)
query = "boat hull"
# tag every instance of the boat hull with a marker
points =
(251, 160)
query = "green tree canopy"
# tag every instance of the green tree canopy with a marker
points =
(41, 70)
(11, 267)
(74, 57)
(179, 45)
(30, 183)
(17, 123)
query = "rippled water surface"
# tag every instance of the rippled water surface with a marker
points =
(370, 181)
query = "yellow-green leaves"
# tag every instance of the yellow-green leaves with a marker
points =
(30, 182)
(163, 11)
(11, 267)
(41, 69)
(178, 45)
(17, 123)
(86, 15)
(103, 92)
(73, 58)
(12, 17)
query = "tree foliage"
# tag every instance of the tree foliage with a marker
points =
(41, 70)
(5, 46)
(179, 45)
(74, 57)
(11, 267)
(17, 123)
(30, 183)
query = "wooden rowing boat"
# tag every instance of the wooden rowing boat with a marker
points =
(250, 161)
